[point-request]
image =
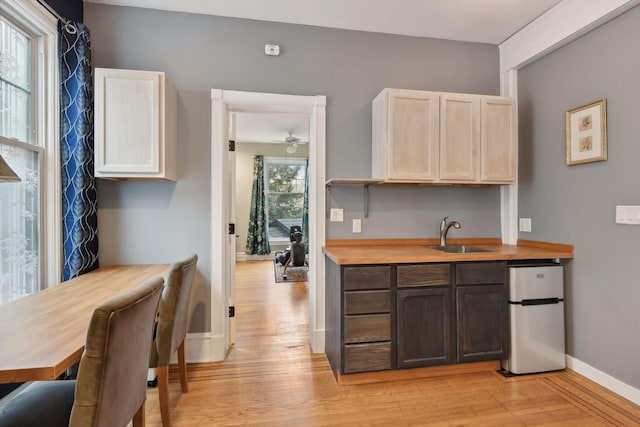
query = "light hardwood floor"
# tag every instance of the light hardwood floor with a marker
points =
(272, 378)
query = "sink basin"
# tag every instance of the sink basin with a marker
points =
(457, 249)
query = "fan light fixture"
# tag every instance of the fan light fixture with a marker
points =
(6, 173)
(291, 142)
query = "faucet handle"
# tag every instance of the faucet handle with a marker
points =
(443, 223)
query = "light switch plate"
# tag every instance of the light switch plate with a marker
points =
(337, 215)
(357, 226)
(525, 224)
(628, 215)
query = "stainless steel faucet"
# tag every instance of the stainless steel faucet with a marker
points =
(444, 228)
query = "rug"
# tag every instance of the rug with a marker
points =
(294, 274)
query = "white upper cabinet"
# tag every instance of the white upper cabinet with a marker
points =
(135, 125)
(498, 139)
(443, 138)
(405, 136)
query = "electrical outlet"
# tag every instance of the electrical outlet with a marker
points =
(337, 215)
(357, 226)
(525, 224)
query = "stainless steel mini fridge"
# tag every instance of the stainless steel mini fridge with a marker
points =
(536, 310)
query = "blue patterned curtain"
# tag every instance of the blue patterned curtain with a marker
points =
(305, 209)
(257, 238)
(79, 213)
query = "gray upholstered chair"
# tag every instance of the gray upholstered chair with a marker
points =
(111, 387)
(172, 330)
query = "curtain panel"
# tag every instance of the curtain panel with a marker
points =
(257, 238)
(79, 201)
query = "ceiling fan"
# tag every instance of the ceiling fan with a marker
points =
(292, 142)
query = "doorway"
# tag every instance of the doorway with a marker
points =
(283, 142)
(224, 103)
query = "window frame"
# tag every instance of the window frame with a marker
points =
(32, 18)
(302, 161)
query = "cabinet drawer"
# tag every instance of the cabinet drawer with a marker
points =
(367, 357)
(363, 278)
(367, 328)
(364, 302)
(480, 273)
(424, 275)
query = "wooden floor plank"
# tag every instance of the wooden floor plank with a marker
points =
(272, 378)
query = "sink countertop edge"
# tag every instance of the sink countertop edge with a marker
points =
(399, 251)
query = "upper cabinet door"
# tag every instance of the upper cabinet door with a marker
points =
(135, 125)
(459, 136)
(405, 136)
(498, 142)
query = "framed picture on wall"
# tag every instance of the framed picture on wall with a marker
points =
(586, 128)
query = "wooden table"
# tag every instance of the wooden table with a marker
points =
(43, 334)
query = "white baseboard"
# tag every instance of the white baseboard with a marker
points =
(241, 256)
(604, 379)
(203, 347)
(317, 343)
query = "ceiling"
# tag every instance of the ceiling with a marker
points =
(270, 127)
(481, 21)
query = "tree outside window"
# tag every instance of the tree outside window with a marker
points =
(284, 186)
(19, 201)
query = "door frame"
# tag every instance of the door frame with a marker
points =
(224, 102)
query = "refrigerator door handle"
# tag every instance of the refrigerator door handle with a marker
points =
(540, 301)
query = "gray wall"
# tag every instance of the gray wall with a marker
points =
(157, 222)
(576, 204)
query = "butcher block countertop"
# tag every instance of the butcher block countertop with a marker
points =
(398, 251)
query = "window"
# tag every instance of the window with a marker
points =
(284, 188)
(28, 125)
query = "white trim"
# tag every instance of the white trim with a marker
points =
(242, 256)
(224, 102)
(286, 160)
(509, 193)
(316, 171)
(37, 20)
(604, 379)
(198, 348)
(563, 23)
(317, 337)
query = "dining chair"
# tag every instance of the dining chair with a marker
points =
(172, 330)
(111, 387)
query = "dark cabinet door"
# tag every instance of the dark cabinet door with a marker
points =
(423, 327)
(482, 322)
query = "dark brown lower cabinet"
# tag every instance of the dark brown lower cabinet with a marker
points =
(482, 322)
(423, 327)
(394, 316)
(358, 303)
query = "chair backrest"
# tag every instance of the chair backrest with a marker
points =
(112, 377)
(173, 309)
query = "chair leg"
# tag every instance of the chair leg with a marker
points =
(138, 418)
(163, 394)
(182, 368)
